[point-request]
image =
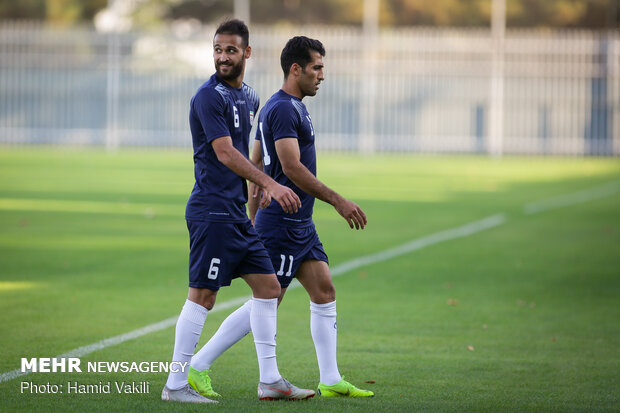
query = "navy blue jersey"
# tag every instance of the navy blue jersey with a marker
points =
(216, 110)
(285, 116)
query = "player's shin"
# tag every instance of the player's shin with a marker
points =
(233, 328)
(324, 332)
(187, 333)
(263, 320)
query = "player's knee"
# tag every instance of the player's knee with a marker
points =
(329, 295)
(274, 290)
(207, 302)
(325, 294)
(328, 290)
(203, 297)
(269, 292)
(268, 289)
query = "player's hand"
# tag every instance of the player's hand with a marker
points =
(262, 195)
(285, 196)
(352, 213)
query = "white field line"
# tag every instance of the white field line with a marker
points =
(112, 341)
(562, 201)
(416, 244)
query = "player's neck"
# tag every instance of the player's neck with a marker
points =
(292, 89)
(236, 82)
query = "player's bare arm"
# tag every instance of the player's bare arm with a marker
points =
(258, 197)
(288, 153)
(233, 159)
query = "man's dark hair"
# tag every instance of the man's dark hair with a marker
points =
(237, 27)
(297, 50)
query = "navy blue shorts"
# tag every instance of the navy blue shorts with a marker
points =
(289, 247)
(219, 252)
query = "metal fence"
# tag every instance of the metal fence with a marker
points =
(410, 90)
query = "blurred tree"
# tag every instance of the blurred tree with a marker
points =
(205, 10)
(558, 13)
(461, 13)
(439, 12)
(285, 12)
(519, 13)
(295, 12)
(63, 11)
(54, 11)
(23, 9)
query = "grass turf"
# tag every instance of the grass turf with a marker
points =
(522, 317)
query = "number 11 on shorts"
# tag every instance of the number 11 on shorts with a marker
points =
(290, 265)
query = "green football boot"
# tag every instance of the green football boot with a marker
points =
(201, 382)
(342, 389)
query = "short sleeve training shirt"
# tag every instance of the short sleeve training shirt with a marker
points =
(285, 116)
(217, 110)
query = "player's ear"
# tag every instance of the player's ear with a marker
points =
(295, 69)
(248, 52)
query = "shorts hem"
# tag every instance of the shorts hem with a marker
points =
(208, 287)
(325, 260)
(239, 275)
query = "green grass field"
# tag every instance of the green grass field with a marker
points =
(520, 317)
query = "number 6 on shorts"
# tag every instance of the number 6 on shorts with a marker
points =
(213, 269)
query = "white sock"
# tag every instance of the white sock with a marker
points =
(264, 321)
(325, 334)
(187, 334)
(234, 328)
